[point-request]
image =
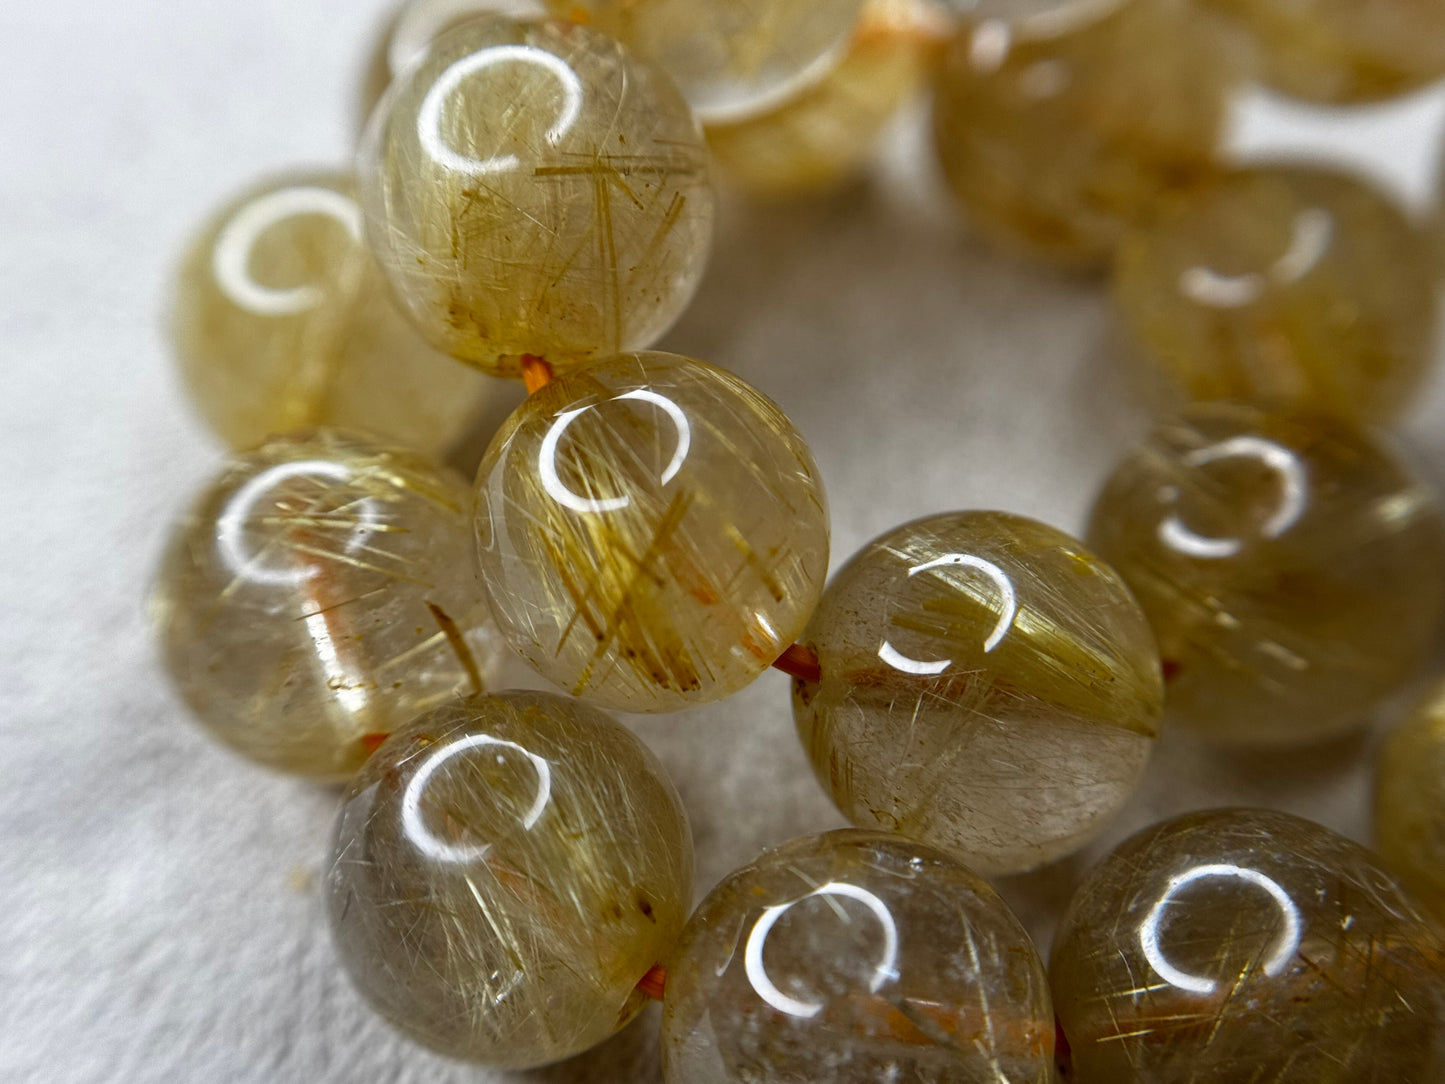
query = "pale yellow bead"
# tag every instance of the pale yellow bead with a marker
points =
(1410, 803)
(318, 594)
(281, 321)
(856, 958)
(1294, 286)
(1248, 945)
(532, 188)
(988, 686)
(505, 870)
(652, 532)
(1055, 135)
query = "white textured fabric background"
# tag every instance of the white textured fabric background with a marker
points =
(159, 918)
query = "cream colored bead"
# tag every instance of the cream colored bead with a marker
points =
(318, 594)
(532, 188)
(1410, 803)
(281, 321)
(505, 870)
(652, 532)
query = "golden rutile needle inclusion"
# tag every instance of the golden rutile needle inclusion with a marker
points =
(652, 532)
(1243, 945)
(281, 321)
(854, 958)
(1294, 286)
(319, 593)
(531, 188)
(1054, 137)
(505, 870)
(1293, 569)
(1410, 802)
(987, 686)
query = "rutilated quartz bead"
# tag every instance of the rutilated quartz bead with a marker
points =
(281, 320)
(1293, 569)
(531, 188)
(1410, 803)
(505, 870)
(1289, 285)
(652, 532)
(319, 593)
(851, 958)
(987, 686)
(1054, 135)
(1238, 945)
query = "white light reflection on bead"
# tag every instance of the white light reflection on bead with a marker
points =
(547, 455)
(1294, 481)
(414, 824)
(1313, 231)
(231, 258)
(886, 971)
(420, 23)
(1007, 612)
(429, 117)
(1284, 951)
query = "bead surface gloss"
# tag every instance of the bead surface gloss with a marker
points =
(1293, 286)
(987, 686)
(281, 321)
(505, 870)
(1293, 569)
(652, 532)
(852, 958)
(1410, 803)
(319, 593)
(1248, 945)
(532, 188)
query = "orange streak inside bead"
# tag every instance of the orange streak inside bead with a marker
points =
(800, 662)
(537, 373)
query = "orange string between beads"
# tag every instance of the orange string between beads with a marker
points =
(537, 373)
(800, 662)
(654, 982)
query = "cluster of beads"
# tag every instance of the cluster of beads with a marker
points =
(978, 692)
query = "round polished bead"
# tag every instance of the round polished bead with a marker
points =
(318, 593)
(1293, 569)
(1410, 803)
(729, 59)
(652, 532)
(1039, 130)
(1241, 945)
(505, 870)
(532, 188)
(281, 321)
(851, 958)
(987, 686)
(1294, 286)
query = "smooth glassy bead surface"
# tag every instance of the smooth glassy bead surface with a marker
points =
(988, 686)
(1293, 569)
(652, 532)
(823, 135)
(319, 593)
(1040, 132)
(852, 958)
(1248, 945)
(729, 59)
(1293, 286)
(281, 321)
(1410, 803)
(532, 188)
(505, 870)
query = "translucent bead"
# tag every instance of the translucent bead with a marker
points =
(1294, 286)
(1293, 569)
(505, 870)
(824, 134)
(318, 593)
(987, 687)
(729, 59)
(652, 532)
(1243, 945)
(1410, 803)
(853, 958)
(531, 188)
(1041, 135)
(280, 321)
